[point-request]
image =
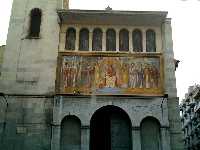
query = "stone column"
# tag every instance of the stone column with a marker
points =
(104, 40)
(77, 39)
(55, 128)
(165, 138)
(136, 139)
(130, 41)
(85, 138)
(62, 41)
(117, 40)
(55, 141)
(144, 40)
(90, 39)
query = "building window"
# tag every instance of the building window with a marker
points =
(111, 40)
(150, 41)
(124, 40)
(137, 41)
(35, 23)
(70, 39)
(84, 40)
(150, 134)
(97, 40)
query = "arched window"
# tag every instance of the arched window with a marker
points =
(111, 40)
(150, 41)
(97, 40)
(137, 40)
(84, 40)
(35, 22)
(70, 39)
(70, 133)
(124, 40)
(150, 134)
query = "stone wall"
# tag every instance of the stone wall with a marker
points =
(137, 108)
(26, 123)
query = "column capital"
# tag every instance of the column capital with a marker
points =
(117, 30)
(85, 127)
(167, 21)
(164, 127)
(135, 128)
(91, 30)
(130, 30)
(104, 30)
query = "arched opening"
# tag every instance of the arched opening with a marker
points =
(110, 129)
(70, 133)
(124, 40)
(70, 39)
(150, 134)
(137, 41)
(111, 40)
(150, 41)
(35, 22)
(97, 40)
(84, 40)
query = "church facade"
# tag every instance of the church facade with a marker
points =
(88, 80)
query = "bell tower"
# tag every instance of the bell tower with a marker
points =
(32, 42)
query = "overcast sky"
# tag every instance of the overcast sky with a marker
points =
(185, 16)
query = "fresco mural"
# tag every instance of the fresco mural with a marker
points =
(105, 75)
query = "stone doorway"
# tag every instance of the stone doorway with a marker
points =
(110, 129)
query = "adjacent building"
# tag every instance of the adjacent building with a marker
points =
(190, 118)
(88, 80)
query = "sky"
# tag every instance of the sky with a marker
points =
(185, 16)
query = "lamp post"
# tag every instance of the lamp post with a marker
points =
(5, 115)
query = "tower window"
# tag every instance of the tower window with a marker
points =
(151, 41)
(111, 40)
(35, 22)
(124, 40)
(137, 41)
(97, 40)
(84, 40)
(70, 39)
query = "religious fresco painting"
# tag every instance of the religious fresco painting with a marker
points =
(105, 75)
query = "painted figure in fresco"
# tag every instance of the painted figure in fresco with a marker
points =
(110, 77)
(125, 76)
(154, 77)
(97, 75)
(140, 79)
(66, 74)
(74, 72)
(147, 76)
(133, 76)
(87, 75)
(70, 74)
